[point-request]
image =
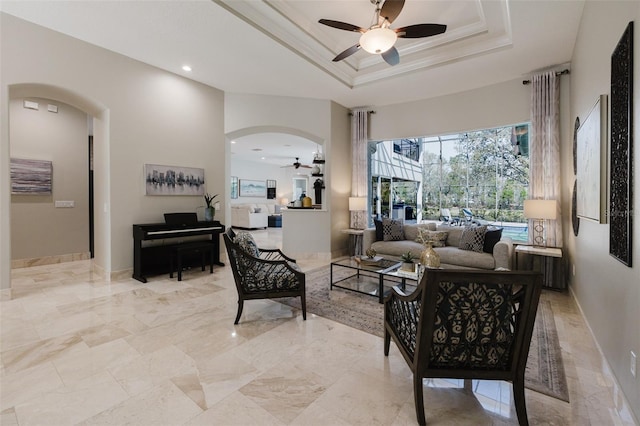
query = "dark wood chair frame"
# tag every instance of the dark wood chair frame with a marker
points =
(411, 320)
(272, 260)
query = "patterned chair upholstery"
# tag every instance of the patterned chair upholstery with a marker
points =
(262, 273)
(467, 325)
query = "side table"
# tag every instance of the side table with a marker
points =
(547, 260)
(355, 240)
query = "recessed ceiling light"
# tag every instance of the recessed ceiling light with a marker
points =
(186, 68)
(263, 158)
(233, 141)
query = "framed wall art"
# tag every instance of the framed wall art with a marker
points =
(173, 180)
(621, 168)
(234, 187)
(591, 197)
(31, 177)
(253, 188)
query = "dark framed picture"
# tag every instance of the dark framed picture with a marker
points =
(234, 187)
(621, 155)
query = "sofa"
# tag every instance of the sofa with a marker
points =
(493, 253)
(250, 216)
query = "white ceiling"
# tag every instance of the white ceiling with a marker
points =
(277, 47)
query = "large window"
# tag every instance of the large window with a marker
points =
(481, 175)
(485, 172)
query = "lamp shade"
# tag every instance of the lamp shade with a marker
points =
(378, 40)
(540, 209)
(357, 204)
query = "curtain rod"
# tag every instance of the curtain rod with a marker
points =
(368, 112)
(563, 72)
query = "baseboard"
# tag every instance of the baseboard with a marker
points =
(622, 406)
(49, 260)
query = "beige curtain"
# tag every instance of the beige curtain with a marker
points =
(359, 150)
(544, 148)
(359, 158)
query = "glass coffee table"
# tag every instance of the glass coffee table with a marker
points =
(369, 278)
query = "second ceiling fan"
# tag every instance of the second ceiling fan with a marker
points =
(379, 38)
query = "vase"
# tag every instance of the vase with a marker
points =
(209, 213)
(408, 266)
(429, 258)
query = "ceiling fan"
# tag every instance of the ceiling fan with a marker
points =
(297, 164)
(379, 38)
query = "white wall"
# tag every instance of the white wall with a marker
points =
(143, 115)
(38, 228)
(492, 106)
(321, 121)
(608, 291)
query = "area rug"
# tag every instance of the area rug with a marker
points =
(544, 373)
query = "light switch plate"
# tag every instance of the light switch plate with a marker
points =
(65, 204)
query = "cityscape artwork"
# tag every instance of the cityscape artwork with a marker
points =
(173, 180)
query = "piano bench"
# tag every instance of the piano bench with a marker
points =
(179, 250)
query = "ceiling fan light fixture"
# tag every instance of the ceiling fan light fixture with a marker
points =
(378, 40)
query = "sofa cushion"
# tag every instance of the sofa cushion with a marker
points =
(491, 238)
(436, 238)
(453, 234)
(411, 230)
(471, 259)
(397, 248)
(379, 232)
(473, 238)
(392, 229)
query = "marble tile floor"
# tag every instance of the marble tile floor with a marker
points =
(76, 349)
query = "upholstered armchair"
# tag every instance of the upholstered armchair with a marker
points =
(467, 325)
(262, 273)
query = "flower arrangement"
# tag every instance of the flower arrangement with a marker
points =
(209, 199)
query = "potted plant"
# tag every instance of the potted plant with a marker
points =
(407, 262)
(209, 210)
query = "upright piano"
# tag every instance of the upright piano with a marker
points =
(152, 257)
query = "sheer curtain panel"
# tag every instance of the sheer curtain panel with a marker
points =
(545, 178)
(359, 152)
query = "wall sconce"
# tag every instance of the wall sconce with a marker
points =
(539, 211)
(358, 207)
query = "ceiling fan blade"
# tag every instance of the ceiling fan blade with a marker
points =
(350, 51)
(391, 9)
(421, 30)
(342, 25)
(391, 56)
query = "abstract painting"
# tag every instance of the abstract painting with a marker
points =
(32, 177)
(592, 164)
(253, 188)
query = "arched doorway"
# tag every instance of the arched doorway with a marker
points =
(100, 124)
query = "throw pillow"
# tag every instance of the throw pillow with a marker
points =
(392, 229)
(436, 238)
(491, 238)
(247, 243)
(473, 238)
(379, 232)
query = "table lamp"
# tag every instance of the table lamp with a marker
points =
(539, 211)
(357, 207)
